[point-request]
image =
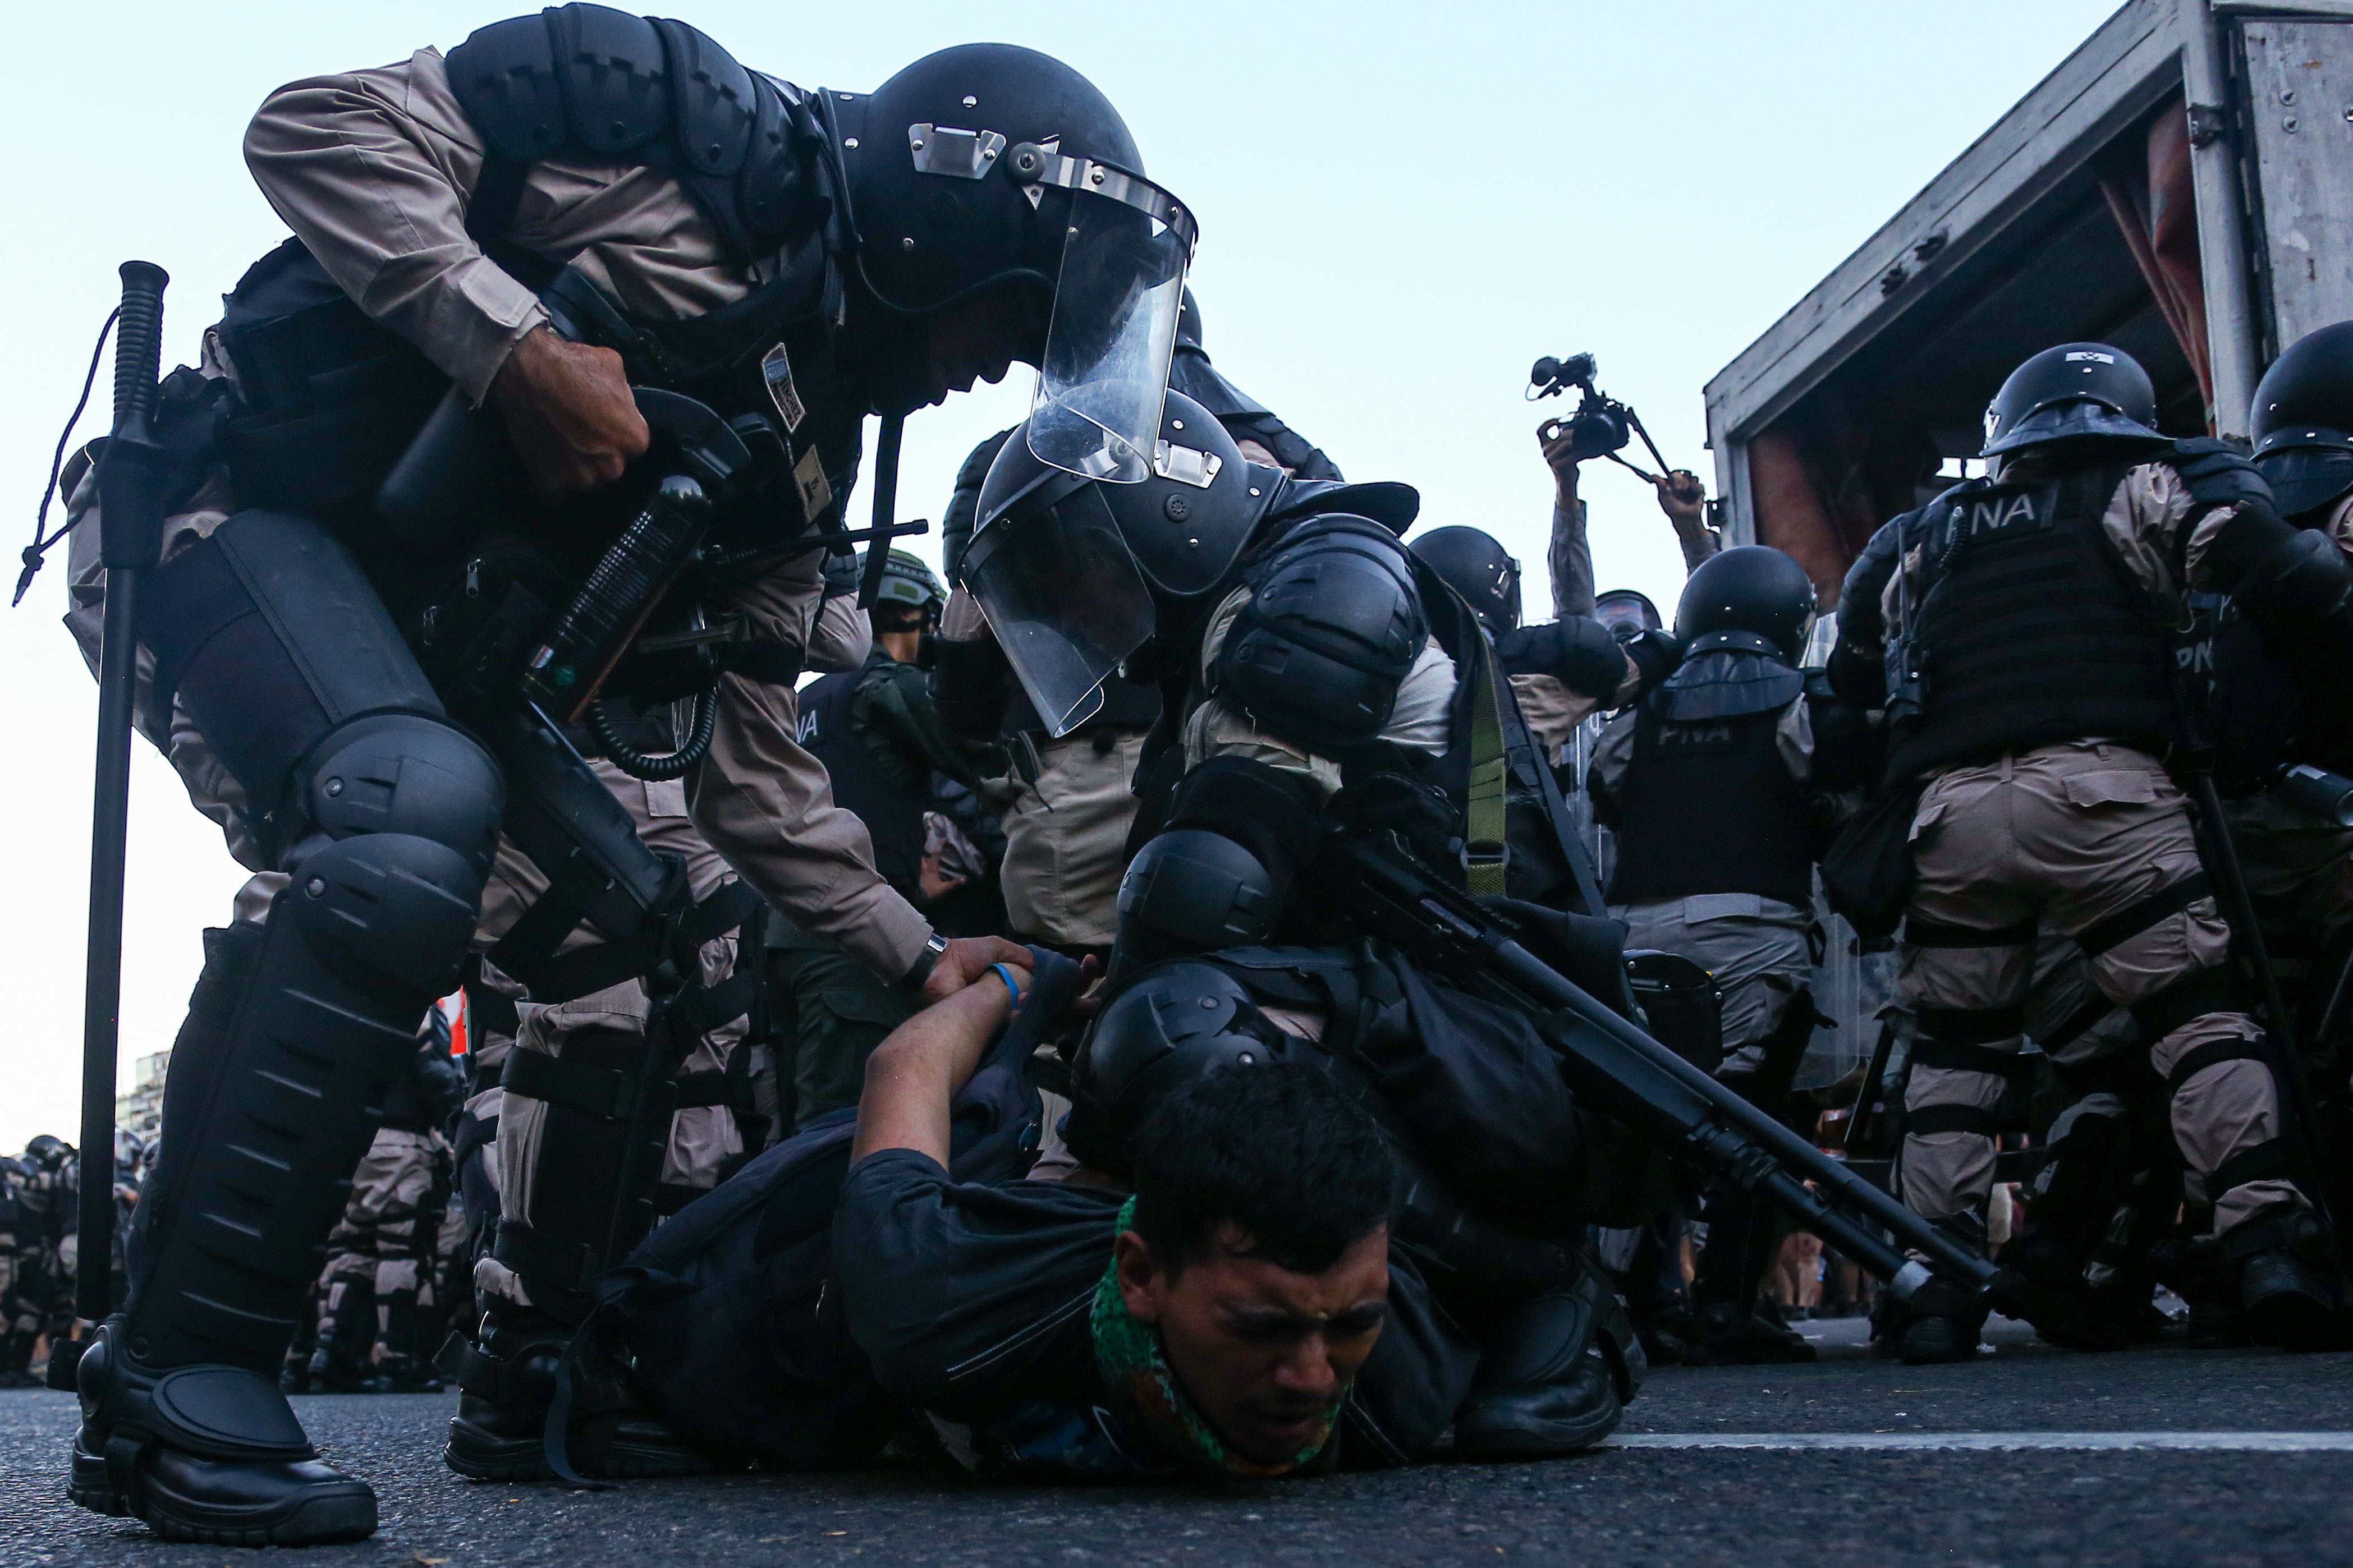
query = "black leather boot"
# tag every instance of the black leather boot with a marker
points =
(1944, 1322)
(2290, 1289)
(205, 1454)
(508, 1382)
(1554, 1379)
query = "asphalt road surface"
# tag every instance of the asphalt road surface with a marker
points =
(2029, 1456)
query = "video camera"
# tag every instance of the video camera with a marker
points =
(1601, 426)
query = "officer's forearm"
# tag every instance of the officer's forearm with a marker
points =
(766, 806)
(366, 169)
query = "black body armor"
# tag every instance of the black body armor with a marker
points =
(1709, 806)
(892, 812)
(2027, 633)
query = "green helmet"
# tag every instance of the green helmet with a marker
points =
(907, 581)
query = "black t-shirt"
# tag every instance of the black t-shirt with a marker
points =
(975, 1304)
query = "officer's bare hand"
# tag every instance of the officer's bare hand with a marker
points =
(966, 960)
(568, 408)
(1682, 496)
(1554, 437)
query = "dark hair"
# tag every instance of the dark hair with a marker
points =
(1276, 1150)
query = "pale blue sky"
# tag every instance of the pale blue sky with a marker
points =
(1401, 208)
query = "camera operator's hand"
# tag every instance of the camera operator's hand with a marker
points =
(1558, 441)
(568, 407)
(1683, 498)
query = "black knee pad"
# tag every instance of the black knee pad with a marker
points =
(407, 775)
(1191, 890)
(387, 908)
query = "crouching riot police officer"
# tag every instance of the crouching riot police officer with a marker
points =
(1070, 807)
(2017, 631)
(1311, 668)
(392, 602)
(1718, 786)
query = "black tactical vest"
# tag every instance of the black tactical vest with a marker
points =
(892, 812)
(2026, 631)
(1709, 806)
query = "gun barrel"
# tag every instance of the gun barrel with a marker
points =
(1647, 1084)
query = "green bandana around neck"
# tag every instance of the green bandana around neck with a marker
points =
(1135, 1371)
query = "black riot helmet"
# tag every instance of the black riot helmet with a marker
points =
(1475, 566)
(2302, 420)
(1072, 575)
(47, 1150)
(2074, 392)
(988, 166)
(1627, 610)
(1175, 1023)
(1753, 598)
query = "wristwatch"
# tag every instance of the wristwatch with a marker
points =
(936, 947)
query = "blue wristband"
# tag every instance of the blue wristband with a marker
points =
(1004, 972)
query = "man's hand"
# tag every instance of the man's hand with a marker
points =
(1683, 498)
(966, 960)
(568, 407)
(1559, 445)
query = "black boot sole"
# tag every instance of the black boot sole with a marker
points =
(327, 1516)
(1535, 1439)
(2295, 1322)
(479, 1455)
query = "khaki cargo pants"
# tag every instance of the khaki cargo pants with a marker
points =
(702, 1137)
(2094, 838)
(375, 1257)
(1066, 841)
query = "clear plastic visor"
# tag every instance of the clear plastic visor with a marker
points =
(1106, 369)
(1065, 599)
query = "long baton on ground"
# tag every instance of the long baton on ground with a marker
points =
(131, 521)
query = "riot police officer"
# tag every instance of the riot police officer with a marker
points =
(882, 743)
(1314, 673)
(1066, 804)
(1715, 786)
(786, 260)
(1560, 669)
(2017, 631)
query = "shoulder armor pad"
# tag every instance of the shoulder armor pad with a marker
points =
(604, 84)
(2217, 472)
(584, 77)
(1395, 506)
(716, 102)
(1333, 625)
(504, 77)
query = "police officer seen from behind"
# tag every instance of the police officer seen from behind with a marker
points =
(750, 269)
(2020, 631)
(1714, 786)
(880, 741)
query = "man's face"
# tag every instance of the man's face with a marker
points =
(980, 339)
(1261, 1352)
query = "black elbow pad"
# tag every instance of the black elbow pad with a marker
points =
(1576, 650)
(2286, 579)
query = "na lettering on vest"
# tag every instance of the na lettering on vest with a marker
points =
(806, 731)
(1714, 735)
(1991, 515)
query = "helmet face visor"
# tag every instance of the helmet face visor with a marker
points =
(1065, 597)
(1122, 287)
